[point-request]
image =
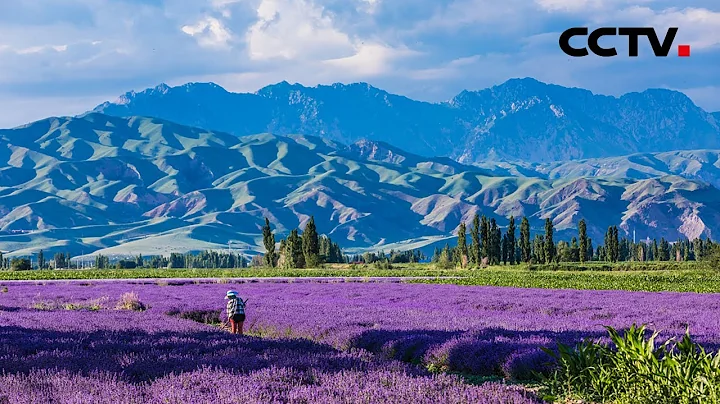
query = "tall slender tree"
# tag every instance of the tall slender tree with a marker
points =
(525, 251)
(538, 249)
(511, 240)
(495, 240)
(574, 250)
(582, 235)
(269, 242)
(475, 236)
(462, 244)
(616, 244)
(549, 243)
(484, 238)
(607, 242)
(293, 254)
(310, 244)
(504, 249)
(41, 260)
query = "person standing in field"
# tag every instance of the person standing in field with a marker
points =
(235, 311)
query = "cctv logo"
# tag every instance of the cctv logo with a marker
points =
(660, 49)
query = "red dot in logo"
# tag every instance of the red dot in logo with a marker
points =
(684, 50)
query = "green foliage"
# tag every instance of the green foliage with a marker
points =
(549, 248)
(495, 240)
(582, 235)
(125, 264)
(444, 260)
(394, 257)
(382, 264)
(635, 371)
(510, 234)
(310, 245)
(60, 260)
(525, 250)
(360, 271)
(269, 259)
(293, 256)
(20, 264)
(101, 262)
(484, 238)
(475, 246)
(712, 256)
(330, 252)
(462, 249)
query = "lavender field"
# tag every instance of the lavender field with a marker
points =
(308, 341)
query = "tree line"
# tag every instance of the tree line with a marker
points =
(489, 245)
(306, 250)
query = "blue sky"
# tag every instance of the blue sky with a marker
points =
(60, 57)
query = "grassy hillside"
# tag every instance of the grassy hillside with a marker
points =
(122, 186)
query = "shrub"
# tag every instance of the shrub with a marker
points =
(20, 264)
(635, 371)
(383, 264)
(130, 301)
(4, 289)
(126, 264)
(713, 257)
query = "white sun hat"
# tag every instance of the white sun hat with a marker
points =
(231, 293)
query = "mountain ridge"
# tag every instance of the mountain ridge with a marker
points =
(518, 120)
(112, 185)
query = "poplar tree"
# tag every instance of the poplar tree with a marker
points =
(582, 235)
(495, 240)
(310, 245)
(294, 257)
(574, 250)
(505, 249)
(525, 251)
(549, 243)
(269, 242)
(615, 244)
(484, 238)
(462, 243)
(511, 240)
(539, 249)
(475, 236)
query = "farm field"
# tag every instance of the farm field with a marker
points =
(667, 276)
(330, 341)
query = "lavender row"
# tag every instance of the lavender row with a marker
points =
(138, 357)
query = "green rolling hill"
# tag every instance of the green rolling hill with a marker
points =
(117, 186)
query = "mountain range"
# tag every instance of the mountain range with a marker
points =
(520, 120)
(126, 185)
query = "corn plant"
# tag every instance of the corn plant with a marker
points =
(634, 370)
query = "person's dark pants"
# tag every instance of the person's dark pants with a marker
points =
(236, 323)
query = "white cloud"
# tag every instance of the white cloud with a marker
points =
(369, 60)
(698, 27)
(209, 32)
(369, 6)
(41, 48)
(295, 29)
(583, 6)
(82, 48)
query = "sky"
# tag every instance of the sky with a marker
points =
(63, 57)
